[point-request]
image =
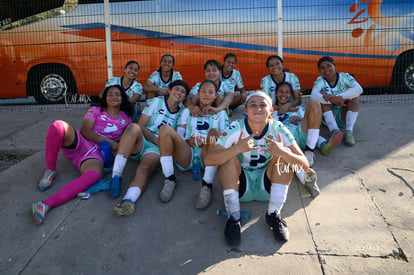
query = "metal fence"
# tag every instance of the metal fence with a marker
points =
(64, 51)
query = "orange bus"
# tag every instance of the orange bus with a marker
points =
(62, 50)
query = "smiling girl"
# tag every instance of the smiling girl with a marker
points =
(305, 124)
(101, 123)
(127, 82)
(158, 82)
(338, 94)
(234, 78)
(140, 142)
(225, 92)
(255, 156)
(194, 136)
(269, 83)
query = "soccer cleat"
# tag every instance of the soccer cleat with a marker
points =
(115, 186)
(168, 190)
(310, 157)
(204, 197)
(349, 138)
(334, 140)
(124, 208)
(232, 232)
(46, 181)
(278, 226)
(311, 183)
(39, 210)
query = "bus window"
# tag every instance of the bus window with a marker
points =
(12, 10)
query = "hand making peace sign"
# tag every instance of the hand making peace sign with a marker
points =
(246, 144)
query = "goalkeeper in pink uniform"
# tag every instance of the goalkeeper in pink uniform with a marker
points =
(101, 123)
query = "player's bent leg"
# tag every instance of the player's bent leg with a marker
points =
(59, 134)
(167, 138)
(145, 169)
(281, 175)
(350, 119)
(228, 175)
(313, 116)
(131, 140)
(206, 190)
(310, 125)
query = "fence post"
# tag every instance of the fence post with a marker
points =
(279, 29)
(108, 38)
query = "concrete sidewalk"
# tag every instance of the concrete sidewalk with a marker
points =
(362, 223)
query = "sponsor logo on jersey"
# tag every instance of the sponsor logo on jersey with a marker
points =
(110, 128)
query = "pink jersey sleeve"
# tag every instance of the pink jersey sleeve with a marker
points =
(93, 113)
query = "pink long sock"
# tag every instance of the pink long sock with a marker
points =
(71, 189)
(54, 140)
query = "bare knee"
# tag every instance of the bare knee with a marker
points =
(133, 129)
(214, 132)
(213, 136)
(228, 173)
(314, 107)
(353, 104)
(165, 130)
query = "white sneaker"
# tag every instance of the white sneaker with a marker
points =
(310, 183)
(310, 156)
(168, 190)
(204, 197)
(39, 210)
(46, 181)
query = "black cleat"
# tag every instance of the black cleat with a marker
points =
(232, 232)
(278, 226)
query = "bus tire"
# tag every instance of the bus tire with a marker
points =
(51, 83)
(403, 74)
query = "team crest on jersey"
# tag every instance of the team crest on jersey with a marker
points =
(123, 121)
(270, 137)
(215, 116)
(91, 111)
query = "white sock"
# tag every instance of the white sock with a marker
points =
(312, 138)
(167, 166)
(351, 118)
(330, 121)
(278, 194)
(119, 165)
(133, 193)
(320, 141)
(301, 176)
(232, 203)
(209, 174)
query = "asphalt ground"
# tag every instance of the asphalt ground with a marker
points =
(362, 223)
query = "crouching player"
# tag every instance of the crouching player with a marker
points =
(257, 157)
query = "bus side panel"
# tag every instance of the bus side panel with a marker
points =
(12, 83)
(365, 39)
